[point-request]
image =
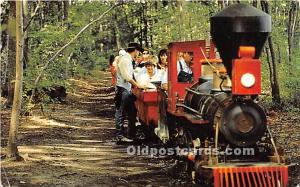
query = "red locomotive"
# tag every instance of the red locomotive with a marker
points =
(218, 108)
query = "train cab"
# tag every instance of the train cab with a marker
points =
(200, 51)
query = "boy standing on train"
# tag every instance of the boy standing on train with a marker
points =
(124, 97)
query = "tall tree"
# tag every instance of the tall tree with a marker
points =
(66, 10)
(292, 21)
(4, 20)
(12, 149)
(4, 48)
(59, 11)
(11, 52)
(26, 24)
(272, 62)
(117, 31)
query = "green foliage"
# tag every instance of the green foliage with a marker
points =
(45, 41)
(43, 44)
(180, 24)
(154, 24)
(288, 72)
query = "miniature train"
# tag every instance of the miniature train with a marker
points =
(218, 109)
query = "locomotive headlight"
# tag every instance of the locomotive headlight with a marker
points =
(248, 80)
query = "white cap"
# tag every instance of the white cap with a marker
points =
(122, 52)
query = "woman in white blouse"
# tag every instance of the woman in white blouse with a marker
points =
(151, 74)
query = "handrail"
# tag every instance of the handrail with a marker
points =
(189, 108)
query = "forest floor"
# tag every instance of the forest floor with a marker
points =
(72, 144)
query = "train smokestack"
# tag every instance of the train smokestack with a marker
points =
(239, 25)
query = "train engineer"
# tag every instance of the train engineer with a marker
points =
(184, 70)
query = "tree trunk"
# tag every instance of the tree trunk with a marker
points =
(4, 21)
(141, 33)
(36, 8)
(296, 14)
(180, 21)
(292, 14)
(101, 43)
(117, 32)
(4, 70)
(66, 8)
(4, 49)
(146, 25)
(67, 65)
(12, 149)
(11, 69)
(151, 22)
(279, 53)
(145, 29)
(254, 3)
(11, 52)
(59, 11)
(275, 85)
(289, 32)
(269, 63)
(26, 39)
(274, 79)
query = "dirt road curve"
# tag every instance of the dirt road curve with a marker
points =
(73, 145)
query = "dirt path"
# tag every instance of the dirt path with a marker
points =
(73, 145)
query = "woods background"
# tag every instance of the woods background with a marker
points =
(45, 45)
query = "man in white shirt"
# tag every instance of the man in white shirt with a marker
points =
(184, 71)
(124, 97)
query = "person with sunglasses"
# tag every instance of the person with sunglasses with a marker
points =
(145, 57)
(140, 64)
